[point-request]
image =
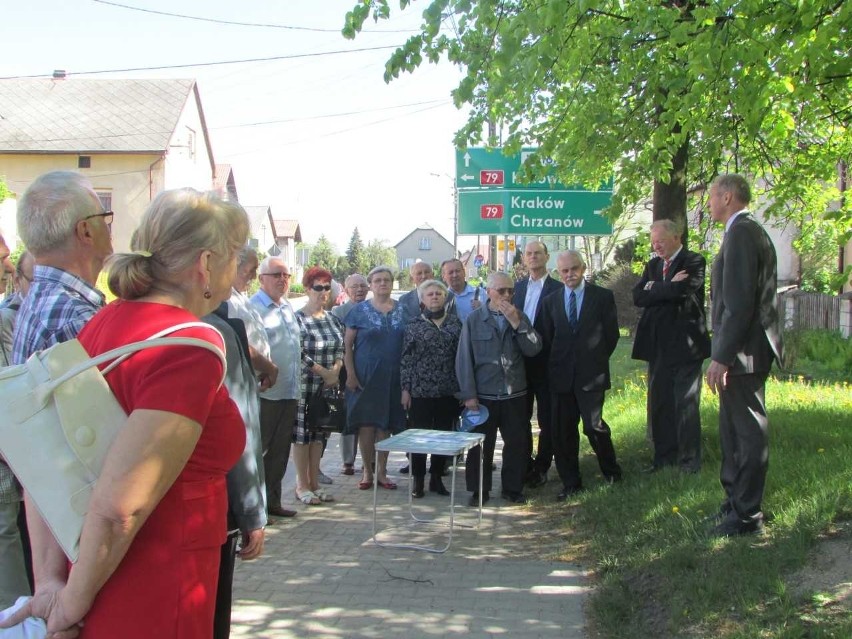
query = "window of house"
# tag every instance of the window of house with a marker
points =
(106, 199)
(84, 162)
(190, 143)
(425, 243)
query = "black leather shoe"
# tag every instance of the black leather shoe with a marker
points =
(536, 479)
(568, 491)
(278, 511)
(436, 485)
(417, 491)
(514, 498)
(474, 499)
(404, 470)
(733, 526)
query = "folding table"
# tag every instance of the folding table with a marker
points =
(429, 442)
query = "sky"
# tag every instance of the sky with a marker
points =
(320, 138)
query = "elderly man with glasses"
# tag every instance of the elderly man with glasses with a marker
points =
(580, 330)
(356, 289)
(495, 339)
(66, 229)
(278, 403)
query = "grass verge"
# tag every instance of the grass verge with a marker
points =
(659, 573)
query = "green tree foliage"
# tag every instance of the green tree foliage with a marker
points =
(323, 254)
(355, 253)
(4, 191)
(378, 253)
(660, 94)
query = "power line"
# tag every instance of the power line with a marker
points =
(244, 24)
(207, 64)
(331, 115)
(337, 132)
(429, 104)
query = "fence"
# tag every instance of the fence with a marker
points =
(800, 309)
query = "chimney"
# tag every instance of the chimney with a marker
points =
(59, 74)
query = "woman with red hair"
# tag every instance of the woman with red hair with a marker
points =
(322, 359)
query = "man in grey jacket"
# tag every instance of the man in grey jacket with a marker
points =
(495, 339)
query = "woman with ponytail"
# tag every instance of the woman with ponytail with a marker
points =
(149, 550)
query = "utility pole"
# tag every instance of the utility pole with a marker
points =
(492, 239)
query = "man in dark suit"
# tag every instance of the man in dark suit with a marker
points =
(529, 297)
(580, 331)
(746, 339)
(410, 302)
(672, 338)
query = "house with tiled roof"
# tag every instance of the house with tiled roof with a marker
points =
(423, 244)
(224, 183)
(274, 236)
(131, 138)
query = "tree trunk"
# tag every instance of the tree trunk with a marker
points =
(669, 201)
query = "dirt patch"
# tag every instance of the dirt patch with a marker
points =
(827, 578)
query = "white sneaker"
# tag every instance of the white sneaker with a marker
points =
(324, 479)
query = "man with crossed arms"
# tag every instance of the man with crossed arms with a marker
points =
(672, 338)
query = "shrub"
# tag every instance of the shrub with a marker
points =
(825, 352)
(621, 280)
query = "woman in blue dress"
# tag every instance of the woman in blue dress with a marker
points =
(373, 341)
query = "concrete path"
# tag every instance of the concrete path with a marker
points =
(321, 575)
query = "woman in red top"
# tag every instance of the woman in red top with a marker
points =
(149, 551)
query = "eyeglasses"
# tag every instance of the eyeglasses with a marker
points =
(319, 288)
(280, 275)
(107, 215)
(504, 291)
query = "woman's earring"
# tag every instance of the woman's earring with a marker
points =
(207, 293)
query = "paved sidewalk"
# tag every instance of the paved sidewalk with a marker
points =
(321, 575)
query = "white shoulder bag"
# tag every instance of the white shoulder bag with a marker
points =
(59, 420)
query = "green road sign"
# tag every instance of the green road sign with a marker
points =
(533, 212)
(489, 168)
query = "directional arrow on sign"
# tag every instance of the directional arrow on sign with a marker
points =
(467, 159)
(467, 177)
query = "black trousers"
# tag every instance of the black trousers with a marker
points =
(538, 393)
(225, 587)
(568, 410)
(509, 417)
(24, 531)
(674, 394)
(432, 413)
(276, 435)
(744, 439)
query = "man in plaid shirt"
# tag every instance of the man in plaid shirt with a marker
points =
(65, 227)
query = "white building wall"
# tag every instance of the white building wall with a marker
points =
(188, 163)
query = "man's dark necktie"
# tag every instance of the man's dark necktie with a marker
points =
(572, 310)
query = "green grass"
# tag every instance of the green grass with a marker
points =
(659, 573)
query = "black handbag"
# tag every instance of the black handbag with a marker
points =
(326, 411)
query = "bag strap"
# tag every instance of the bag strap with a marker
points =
(163, 333)
(122, 352)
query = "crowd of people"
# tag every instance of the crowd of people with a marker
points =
(201, 462)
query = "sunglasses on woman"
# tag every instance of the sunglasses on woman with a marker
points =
(319, 288)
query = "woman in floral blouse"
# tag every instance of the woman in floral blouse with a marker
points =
(429, 377)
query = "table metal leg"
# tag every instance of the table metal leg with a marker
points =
(450, 525)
